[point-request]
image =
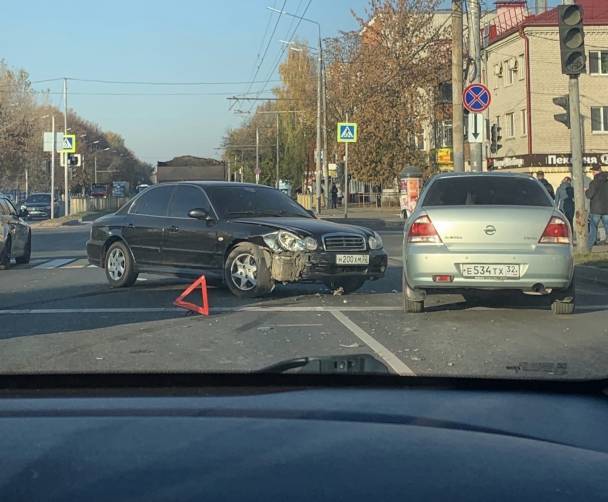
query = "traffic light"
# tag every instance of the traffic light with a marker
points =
(563, 102)
(74, 160)
(495, 137)
(571, 39)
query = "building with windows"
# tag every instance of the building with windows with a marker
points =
(522, 68)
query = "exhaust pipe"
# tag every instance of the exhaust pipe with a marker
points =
(538, 289)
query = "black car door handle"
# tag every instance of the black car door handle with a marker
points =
(173, 228)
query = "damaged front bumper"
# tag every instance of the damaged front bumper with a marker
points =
(321, 265)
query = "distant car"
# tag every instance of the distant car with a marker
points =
(477, 233)
(250, 236)
(38, 206)
(141, 188)
(100, 190)
(15, 235)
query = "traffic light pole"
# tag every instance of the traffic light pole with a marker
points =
(578, 172)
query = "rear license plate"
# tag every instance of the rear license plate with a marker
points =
(490, 271)
(352, 259)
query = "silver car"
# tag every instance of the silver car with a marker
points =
(474, 233)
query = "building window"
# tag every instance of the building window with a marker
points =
(521, 67)
(598, 62)
(510, 124)
(524, 122)
(509, 68)
(443, 134)
(599, 118)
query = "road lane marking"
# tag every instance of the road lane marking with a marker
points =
(56, 263)
(219, 310)
(385, 354)
(82, 263)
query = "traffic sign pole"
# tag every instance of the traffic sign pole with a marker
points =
(53, 152)
(345, 191)
(66, 210)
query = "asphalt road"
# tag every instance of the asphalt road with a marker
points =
(58, 314)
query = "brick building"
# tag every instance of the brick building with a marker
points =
(523, 71)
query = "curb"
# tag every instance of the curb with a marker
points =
(591, 274)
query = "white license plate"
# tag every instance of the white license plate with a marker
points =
(490, 271)
(352, 259)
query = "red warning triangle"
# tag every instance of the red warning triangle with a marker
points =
(204, 309)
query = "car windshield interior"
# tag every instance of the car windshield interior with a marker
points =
(486, 191)
(39, 198)
(253, 201)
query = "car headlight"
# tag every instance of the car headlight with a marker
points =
(375, 241)
(284, 240)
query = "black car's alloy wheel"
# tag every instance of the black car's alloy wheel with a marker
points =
(27, 253)
(119, 266)
(5, 254)
(246, 273)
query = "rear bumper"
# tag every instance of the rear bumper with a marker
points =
(550, 265)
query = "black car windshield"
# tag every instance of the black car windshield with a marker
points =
(39, 198)
(486, 191)
(245, 201)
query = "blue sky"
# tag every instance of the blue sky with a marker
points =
(137, 40)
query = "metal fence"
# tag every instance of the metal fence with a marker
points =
(92, 204)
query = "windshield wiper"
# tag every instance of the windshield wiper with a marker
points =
(242, 213)
(353, 364)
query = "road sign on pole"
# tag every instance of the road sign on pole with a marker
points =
(475, 132)
(476, 98)
(69, 143)
(347, 132)
(48, 142)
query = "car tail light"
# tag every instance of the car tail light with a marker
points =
(443, 278)
(556, 232)
(422, 230)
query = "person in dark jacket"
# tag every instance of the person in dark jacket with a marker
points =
(564, 199)
(597, 193)
(334, 196)
(540, 176)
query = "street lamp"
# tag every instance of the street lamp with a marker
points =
(53, 148)
(319, 90)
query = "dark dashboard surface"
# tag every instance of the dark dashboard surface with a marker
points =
(324, 444)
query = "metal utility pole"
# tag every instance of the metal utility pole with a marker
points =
(65, 155)
(457, 110)
(27, 183)
(277, 182)
(476, 149)
(53, 166)
(228, 165)
(345, 191)
(318, 166)
(257, 155)
(325, 153)
(96, 168)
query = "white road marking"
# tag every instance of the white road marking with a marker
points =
(82, 263)
(386, 355)
(295, 325)
(56, 263)
(136, 310)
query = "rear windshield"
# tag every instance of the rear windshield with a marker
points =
(486, 191)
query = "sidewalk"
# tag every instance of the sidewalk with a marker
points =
(382, 218)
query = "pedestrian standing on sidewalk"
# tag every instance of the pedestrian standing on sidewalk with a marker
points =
(564, 199)
(334, 196)
(597, 193)
(540, 176)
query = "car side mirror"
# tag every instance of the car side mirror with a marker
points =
(23, 213)
(311, 212)
(200, 214)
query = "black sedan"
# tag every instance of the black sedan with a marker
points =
(38, 206)
(249, 236)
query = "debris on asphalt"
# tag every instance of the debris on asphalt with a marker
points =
(450, 364)
(344, 301)
(414, 358)
(98, 358)
(265, 328)
(339, 291)
(349, 345)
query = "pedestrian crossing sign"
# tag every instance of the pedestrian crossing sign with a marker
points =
(347, 132)
(69, 143)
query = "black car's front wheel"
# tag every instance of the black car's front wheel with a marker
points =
(348, 284)
(119, 266)
(246, 272)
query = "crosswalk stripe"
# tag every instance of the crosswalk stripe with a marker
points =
(82, 263)
(56, 263)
